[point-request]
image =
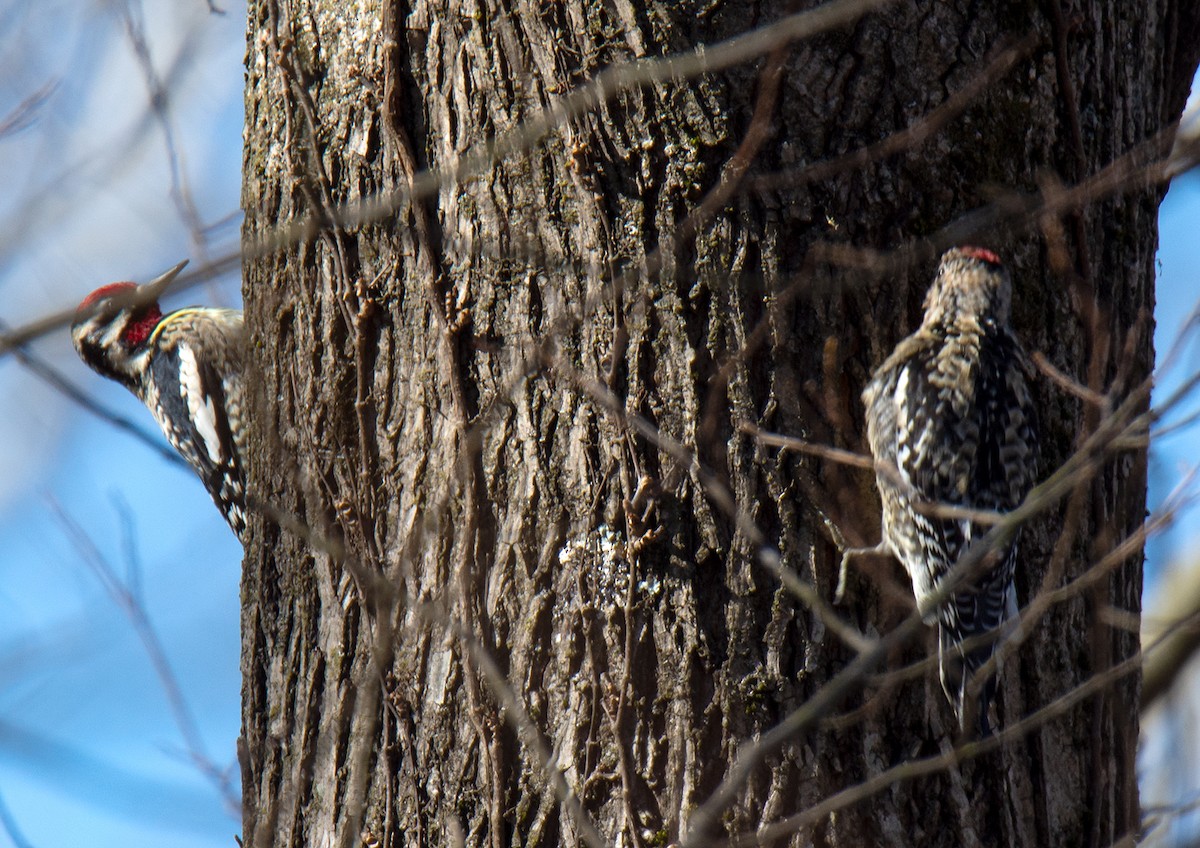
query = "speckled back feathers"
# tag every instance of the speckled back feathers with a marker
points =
(951, 421)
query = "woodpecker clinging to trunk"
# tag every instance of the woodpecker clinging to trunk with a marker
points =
(186, 367)
(950, 422)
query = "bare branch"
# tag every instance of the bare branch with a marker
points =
(919, 768)
(25, 112)
(11, 829)
(57, 380)
(1065, 382)
(129, 604)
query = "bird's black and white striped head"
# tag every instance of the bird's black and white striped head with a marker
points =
(110, 331)
(113, 325)
(972, 286)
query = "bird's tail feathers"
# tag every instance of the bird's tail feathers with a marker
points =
(956, 669)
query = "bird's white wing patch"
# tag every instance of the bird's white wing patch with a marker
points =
(903, 425)
(199, 402)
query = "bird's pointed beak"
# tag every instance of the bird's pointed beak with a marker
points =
(154, 289)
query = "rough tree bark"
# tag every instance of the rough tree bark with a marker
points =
(453, 400)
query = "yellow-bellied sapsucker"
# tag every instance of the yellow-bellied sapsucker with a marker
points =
(950, 422)
(186, 367)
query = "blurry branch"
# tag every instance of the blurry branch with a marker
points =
(1186, 333)
(1049, 595)
(1126, 549)
(1122, 174)
(22, 115)
(1141, 167)
(1075, 471)
(57, 380)
(131, 16)
(76, 771)
(1155, 816)
(1186, 151)
(606, 86)
(1004, 60)
(231, 219)
(913, 769)
(1175, 426)
(857, 460)
(513, 708)
(129, 602)
(11, 340)
(686, 459)
(1065, 382)
(1180, 601)
(840, 455)
(11, 829)
(379, 592)
(39, 208)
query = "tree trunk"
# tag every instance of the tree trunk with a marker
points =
(512, 579)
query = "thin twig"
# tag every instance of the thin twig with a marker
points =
(11, 829)
(58, 381)
(913, 769)
(139, 618)
(1066, 382)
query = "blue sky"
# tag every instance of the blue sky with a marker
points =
(89, 751)
(88, 747)
(1178, 294)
